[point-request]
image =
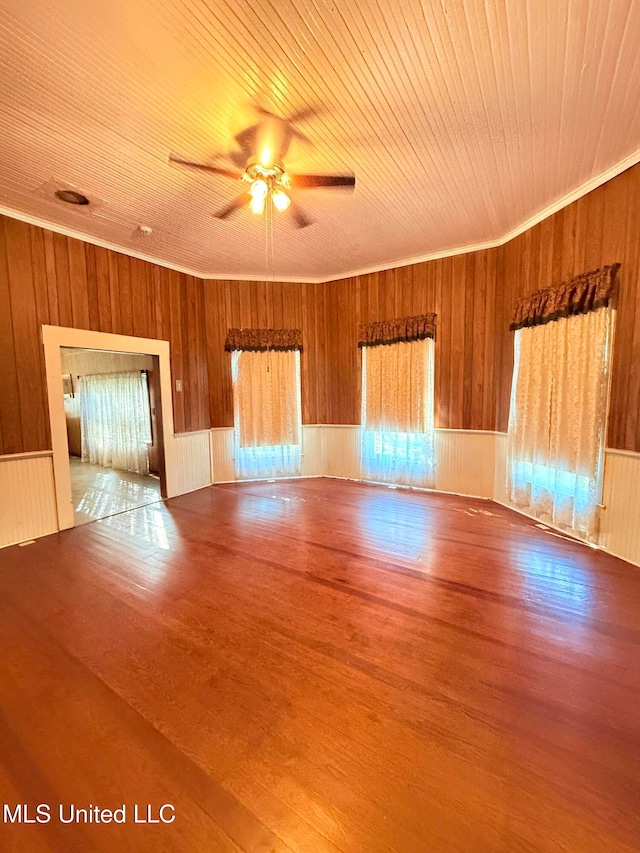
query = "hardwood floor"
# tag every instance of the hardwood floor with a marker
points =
(99, 492)
(321, 665)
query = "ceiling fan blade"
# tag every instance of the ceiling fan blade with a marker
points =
(308, 182)
(216, 170)
(237, 202)
(306, 113)
(246, 139)
(300, 218)
(300, 115)
(238, 158)
(263, 111)
(302, 137)
(289, 123)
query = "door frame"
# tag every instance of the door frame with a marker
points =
(54, 338)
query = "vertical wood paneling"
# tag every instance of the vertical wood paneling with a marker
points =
(50, 272)
(105, 317)
(461, 290)
(92, 289)
(601, 228)
(332, 313)
(45, 277)
(78, 284)
(48, 278)
(27, 342)
(62, 279)
(10, 424)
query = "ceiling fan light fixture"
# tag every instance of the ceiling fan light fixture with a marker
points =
(281, 200)
(256, 205)
(265, 179)
(265, 157)
(259, 189)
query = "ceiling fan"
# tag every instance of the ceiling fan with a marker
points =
(265, 177)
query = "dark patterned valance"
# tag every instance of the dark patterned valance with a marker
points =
(584, 293)
(261, 340)
(399, 330)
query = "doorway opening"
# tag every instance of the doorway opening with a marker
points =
(55, 339)
(111, 414)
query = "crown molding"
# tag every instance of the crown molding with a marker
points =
(585, 188)
(21, 216)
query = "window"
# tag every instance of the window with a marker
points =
(397, 413)
(116, 420)
(267, 413)
(557, 419)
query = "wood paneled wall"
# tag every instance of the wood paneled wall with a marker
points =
(246, 304)
(46, 278)
(474, 296)
(460, 290)
(601, 228)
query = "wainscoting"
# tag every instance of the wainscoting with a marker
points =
(340, 451)
(465, 462)
(327, 451)
(27, 497)
(468, 462)
(192, 462)
(500, 468)
(620, 516)
(222, 454)
(27, 488)
(464, 458)
(620, 513)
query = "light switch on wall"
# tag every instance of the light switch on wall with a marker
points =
(178, 384)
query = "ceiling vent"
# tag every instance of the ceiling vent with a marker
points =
(71, 197)
(64, 193)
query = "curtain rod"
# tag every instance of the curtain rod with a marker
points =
(79, 376)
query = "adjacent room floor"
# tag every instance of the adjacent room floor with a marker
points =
(320, 665)
(99, 492)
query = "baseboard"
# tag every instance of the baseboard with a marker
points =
(266, 480)
(395, 486)
(572, 536)
(29, 539)
(617, 556)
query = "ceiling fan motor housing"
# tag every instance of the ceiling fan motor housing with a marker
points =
(272, 174)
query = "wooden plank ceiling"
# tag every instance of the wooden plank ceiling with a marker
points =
(462, 120)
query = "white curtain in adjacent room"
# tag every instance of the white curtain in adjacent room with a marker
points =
(397, 413)
(267, 413)
(557, 419)
(116, 420)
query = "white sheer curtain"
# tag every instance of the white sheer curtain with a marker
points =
(397, 413)
(557, 419)
(267, 413)
(115, 420)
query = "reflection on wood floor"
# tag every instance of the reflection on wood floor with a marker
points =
(100, 492)
(322, 666)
